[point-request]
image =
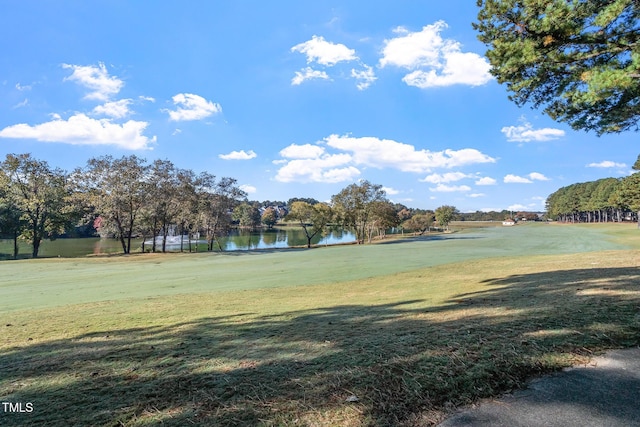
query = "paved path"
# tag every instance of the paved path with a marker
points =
(605, 393)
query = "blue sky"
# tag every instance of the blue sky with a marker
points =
(291, 98)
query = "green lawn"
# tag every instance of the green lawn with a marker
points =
(55, 282)
(285, 338)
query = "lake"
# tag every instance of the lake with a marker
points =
(236, 241)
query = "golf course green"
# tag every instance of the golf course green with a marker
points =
(393, 333)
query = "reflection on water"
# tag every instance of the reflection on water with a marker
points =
(235, 241)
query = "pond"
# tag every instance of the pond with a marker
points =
(236, 241)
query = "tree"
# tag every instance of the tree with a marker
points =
(419, 223)
(312, 218)
(11, 222)
(383, 216)
(41, 194)
(269, 217)
(630, 190)
(445, 214)
(247, 216)
(162, 199)
(117, 189)
(216, 201)
(578, 60)
(354, 204)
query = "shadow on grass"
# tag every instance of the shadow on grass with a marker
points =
(427, 238)
(406, 362)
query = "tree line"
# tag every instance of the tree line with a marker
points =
(603, 200)
(121, 198)
(128, 197)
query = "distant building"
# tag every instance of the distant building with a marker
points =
(508, 222)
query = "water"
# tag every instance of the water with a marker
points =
(236, 241)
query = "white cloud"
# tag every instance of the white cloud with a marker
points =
(22, 88)
(514, 179)
(474, 195)
(365, 77)
(21, 104)
(306, 151)
(516, 207)
(444, 178)
(192, 107)
(238, 155)
(249, 189)
(328, 168)
(96, 79)
(538, 177)
(115, 109)
(82, 130)
(390, 191)
(486, 181)
(526, 133)
(459, 68)
(434, 61)
(385, 153)
(607, 164)
(450, 188)
(308, 74)
(323, 52)
(312, 163)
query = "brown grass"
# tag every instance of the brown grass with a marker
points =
(410, 346)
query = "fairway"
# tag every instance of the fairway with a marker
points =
(396, 333)
(55, 282)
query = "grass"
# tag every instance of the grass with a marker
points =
(410, 344)
(57, 282)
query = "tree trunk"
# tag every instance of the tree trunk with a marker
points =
(155, 235)
(129, 233)
(36, 240)
(181, 234)
(15, 244)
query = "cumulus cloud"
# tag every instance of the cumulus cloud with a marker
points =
(386, 153)
(475, 195)
(526, 133)
(486, 181)
(238, 155)
(450, 188)
(390, 191)
(364, 77)
(434, 61)
(96, 79)
(116, 109)
(328, 168)
(444, 178)
(308, 74)
(82, 130)
(192, 107)
(249, 189)
(306, 151)
(323, 52)
(538, 177)
(515, 179)
(313, 163)
(607, 164)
